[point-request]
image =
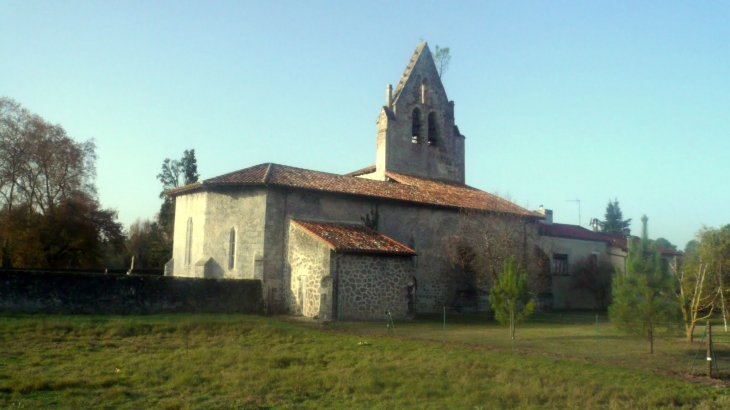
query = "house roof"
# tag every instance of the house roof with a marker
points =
(354, 238)
(578, 232)
(571, 232)
(400, 188)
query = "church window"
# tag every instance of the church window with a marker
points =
(416, 126)
(432, 129)
(188, 241)
(231, 249)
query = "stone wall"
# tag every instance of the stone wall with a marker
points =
(371, 285)
(308, 262)
(72, 293)
(191, 206)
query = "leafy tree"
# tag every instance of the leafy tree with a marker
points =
(643, 304)
(442, 58)
(174, 174)
(48, 200)
(594, 275)
(664, 243)
(509, 298)
(147, 243)
(614, 222)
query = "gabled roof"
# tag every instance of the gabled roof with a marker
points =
(401, 188)
(578, 232)
(421, 56)
(354, 238)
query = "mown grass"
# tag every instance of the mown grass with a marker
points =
(220, 361)
(568, 335)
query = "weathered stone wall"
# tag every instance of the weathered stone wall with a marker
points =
(214, 214)
(241, 210)
(371, 285)
(426, 229)
(308, 261)
(423, 90)
(188, 206)
(31, 292)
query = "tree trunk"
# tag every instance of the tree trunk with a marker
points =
(690, 332)
(651, 341)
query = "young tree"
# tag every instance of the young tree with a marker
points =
(695, 292)
(614, 222)
(509, 297)
(643, 304)
(442, 58)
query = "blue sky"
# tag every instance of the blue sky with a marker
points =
(558, 100)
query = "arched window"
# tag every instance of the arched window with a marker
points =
(433, 129)
(188, 241)
(231, 249)
(416, 126)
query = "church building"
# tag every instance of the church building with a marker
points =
(341, 247)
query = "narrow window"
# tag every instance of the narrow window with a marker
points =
(560, 264)
(188, 241)
(231, 248)
(416, 126)
(432, 129)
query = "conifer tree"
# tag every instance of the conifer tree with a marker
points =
(508, 297)
(643, 305)
(614, 222)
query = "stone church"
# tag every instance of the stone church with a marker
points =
(351, 246)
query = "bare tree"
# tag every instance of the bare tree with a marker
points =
(694, 292)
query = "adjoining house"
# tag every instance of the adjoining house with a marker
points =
(568, 246)
(351, 246)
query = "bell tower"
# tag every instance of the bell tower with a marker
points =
(417, 135)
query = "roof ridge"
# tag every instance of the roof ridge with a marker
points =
(267, 174)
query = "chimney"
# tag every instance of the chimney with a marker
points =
(388, 95)
(548, 217)
(547, 213)
(594, 224)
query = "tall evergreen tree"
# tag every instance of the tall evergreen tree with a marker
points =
(643, 305)
(614, 222)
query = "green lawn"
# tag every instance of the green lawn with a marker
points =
(230, 361)
(568, 335)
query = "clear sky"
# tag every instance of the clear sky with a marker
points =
(558, 100)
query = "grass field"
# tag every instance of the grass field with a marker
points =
(569, 335)
(228, 361)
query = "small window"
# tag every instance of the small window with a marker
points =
(416, 126)
(232, 249)
(433, 129)
(188, 241)
(560, 264)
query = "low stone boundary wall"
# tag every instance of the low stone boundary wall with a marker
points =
(57, 292)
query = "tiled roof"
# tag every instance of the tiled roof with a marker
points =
(578, 232)
(572, 232)
(353, 238)
(400, 188)
(362, 171)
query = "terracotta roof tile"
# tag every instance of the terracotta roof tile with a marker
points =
(401, 188)
(353, 238)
